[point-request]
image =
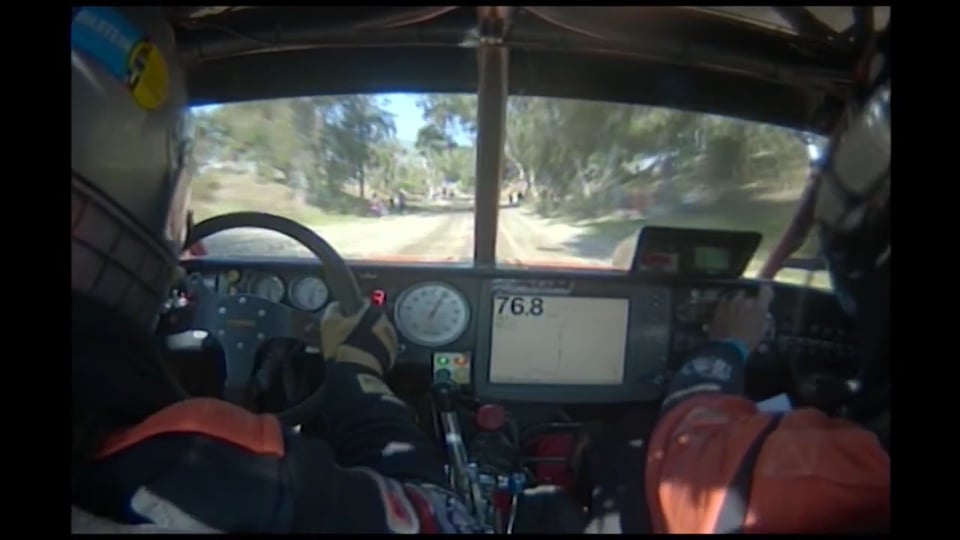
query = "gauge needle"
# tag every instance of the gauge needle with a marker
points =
(433, 311)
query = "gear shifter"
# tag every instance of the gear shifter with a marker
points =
(444, 396)
(463, 475)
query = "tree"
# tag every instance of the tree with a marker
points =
(576, 156)
(446, 140)
(359, 125)
(261, 131)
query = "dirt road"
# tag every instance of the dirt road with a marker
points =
(446, 234)
(442, 233)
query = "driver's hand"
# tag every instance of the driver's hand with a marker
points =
(366, 338)
(742, 319)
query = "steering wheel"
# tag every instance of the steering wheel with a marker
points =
(244, 322)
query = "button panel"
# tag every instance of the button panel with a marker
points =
(454, 366)
(821, 344)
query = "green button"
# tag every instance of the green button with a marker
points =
(442, 360)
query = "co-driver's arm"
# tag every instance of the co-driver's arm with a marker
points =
(720, 365)
(710, 437)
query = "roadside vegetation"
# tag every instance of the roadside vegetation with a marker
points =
(608, 168)
(322, 158)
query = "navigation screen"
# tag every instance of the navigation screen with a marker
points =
(558, 340)
(712, 259)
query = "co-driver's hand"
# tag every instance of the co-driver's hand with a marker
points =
(742, 319)
(366, 338)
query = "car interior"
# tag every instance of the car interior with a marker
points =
(507, 365)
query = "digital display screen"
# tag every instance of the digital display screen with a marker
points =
(558, 340)
(712, 259)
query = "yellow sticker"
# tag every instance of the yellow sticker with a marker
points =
(373, 385)
(148, 78)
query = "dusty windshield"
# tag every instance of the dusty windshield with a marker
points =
(380, 177)
(582, 177)
(392, 177)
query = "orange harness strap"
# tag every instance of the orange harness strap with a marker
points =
(207, 416)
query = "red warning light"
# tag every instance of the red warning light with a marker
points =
(378, 297)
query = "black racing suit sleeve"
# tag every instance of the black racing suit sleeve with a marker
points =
(369, 428)
(718, 366)
(377, 446)
(376, 473)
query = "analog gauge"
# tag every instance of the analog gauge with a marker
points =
(432, 314)
(309, 293)
(269, 287)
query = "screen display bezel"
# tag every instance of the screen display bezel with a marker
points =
(682, 242)
(642, 371)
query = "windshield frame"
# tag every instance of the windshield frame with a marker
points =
(492, 97)
(617, 216)
(491, 214)
(496, 80)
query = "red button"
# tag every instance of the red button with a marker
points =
(491, 417)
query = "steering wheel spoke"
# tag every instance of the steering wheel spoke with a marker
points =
(241, 363)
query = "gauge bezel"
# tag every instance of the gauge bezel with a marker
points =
(411, 336)
(257, 279)
(293, 297)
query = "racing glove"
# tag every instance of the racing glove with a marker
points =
(366, 338)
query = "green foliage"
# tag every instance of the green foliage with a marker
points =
(451, 120)
(574, 156)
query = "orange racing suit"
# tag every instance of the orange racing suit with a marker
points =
(714, 463)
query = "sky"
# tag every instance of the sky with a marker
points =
(406, 115)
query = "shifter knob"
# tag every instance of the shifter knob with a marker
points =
(444, 392)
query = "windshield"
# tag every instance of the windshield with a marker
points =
(380, 177)
(391, 177)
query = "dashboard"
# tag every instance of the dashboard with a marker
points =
(553, 336)
(509, 368)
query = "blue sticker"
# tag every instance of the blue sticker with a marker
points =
(106, 36)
